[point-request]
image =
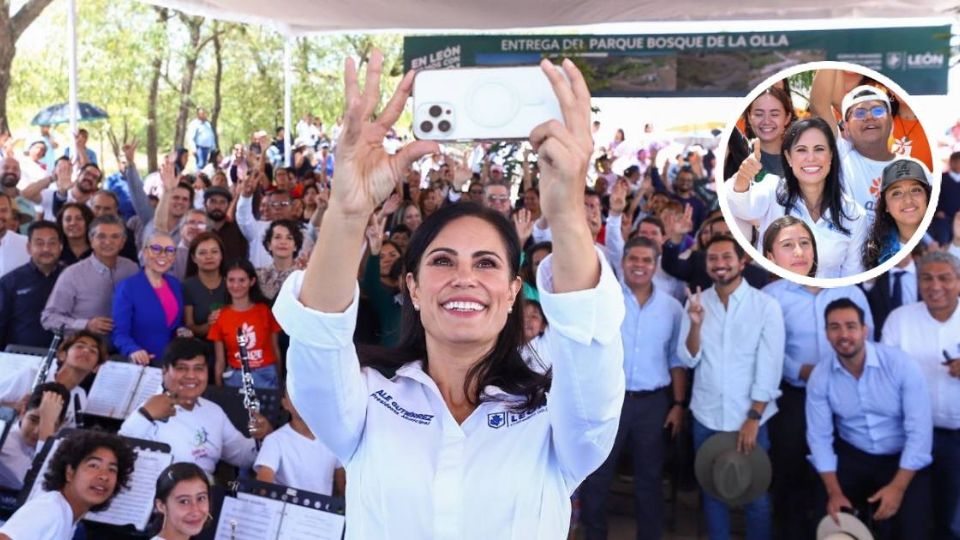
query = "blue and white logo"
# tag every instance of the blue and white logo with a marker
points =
(497, 420)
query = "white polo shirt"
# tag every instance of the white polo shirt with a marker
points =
(414, 472)
(838, 254)
(45, 517)
(911, 328)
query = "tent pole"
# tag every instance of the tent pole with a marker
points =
(72, 59)
(287, 88)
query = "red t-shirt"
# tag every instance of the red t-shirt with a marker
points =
(259, 326)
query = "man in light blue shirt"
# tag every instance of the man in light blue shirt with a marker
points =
(795, 483)
(875, 398)
(733, 337)
(201, 135)
(655, 389)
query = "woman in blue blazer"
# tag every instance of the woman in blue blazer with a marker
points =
(148, 306)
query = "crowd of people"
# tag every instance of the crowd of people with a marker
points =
(854, 391)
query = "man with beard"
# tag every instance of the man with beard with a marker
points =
(734, 338)
(13, 246)
(59, 188)
(683, 191)
(870, 428)
(24, 291)
(216, 201)
(9, 182)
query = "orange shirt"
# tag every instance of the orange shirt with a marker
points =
(259, 326)
(909, 139)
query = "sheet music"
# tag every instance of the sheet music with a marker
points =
(12, 362)
(151, 384)
(249, 518)
(304, 523)
(134, 504)
(37, 487)
(112, 389)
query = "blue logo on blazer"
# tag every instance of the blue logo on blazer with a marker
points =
(496, 420)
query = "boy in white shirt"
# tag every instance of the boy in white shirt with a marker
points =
(43, 416)
(292, 456)
(88, 469)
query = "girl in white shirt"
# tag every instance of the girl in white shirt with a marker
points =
(182, 497)
(456, 438)
(811, 189)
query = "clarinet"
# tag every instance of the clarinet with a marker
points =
(48, 360)
(250, 401)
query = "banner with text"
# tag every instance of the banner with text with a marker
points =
(711, 64)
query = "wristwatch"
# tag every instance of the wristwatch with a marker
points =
(752, 414)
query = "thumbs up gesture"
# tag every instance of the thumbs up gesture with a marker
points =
(749, 168)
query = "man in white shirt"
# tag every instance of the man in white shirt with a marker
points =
(279, 205)
(196, 429)
(929, 331)
(864, 144)
(734, 338)
(13, 246)
(87, 470)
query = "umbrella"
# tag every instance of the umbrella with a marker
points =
(60, 114)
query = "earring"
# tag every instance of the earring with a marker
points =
(509, 310)
(416, 307)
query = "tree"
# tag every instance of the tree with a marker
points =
(11, 28)
(156, 66)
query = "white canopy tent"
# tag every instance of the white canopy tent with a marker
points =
(295, 18)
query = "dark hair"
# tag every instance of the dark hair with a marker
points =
(881, 230)
(187, 186)
(631, 170)
(177, 166)
(75, 448)
(955, 156)
(93, 166)
(872, 92)
(655, 221)
(780, 95)
(176, 473)
(205, 236)
(106, 219)
(40, 225)
(85, 212)
(295, 232)
(717, 238)
(707, 224)
(781, 223)
(256, 294)
(643, 242)
(37, 396)
(400, 228)
(526, 271)
(75, 337)
(112, 195)
(789, 193)
(843, 303)
(183, 348)
(502, 366)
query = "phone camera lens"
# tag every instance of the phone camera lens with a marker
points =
(436, 111)
(444, 126)
(426, 126)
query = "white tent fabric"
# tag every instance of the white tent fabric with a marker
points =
(301, 17)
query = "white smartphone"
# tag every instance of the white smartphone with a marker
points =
(483, 103)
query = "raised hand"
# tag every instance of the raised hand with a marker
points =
(64, 175)
(524, 224)
(694, 306)
(366, 174)
(168, 174)
(374, 233)
(389, 207)
(130, 151)
(749, 168)
(618, 197)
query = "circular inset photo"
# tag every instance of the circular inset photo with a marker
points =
(828, 174)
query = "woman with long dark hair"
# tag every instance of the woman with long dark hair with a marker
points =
(74, 220)
(766, 119)
(904, 196)
(811, 189)
(472, 419)
(182, 500)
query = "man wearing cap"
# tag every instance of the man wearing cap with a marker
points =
(201, 136)
(929, 331)
(863, 134)
(656, 387)
(216, 202)
(875, 398)
(733, 337)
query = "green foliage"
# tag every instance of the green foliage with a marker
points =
(118, 40)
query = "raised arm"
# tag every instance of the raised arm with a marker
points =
(821, 96)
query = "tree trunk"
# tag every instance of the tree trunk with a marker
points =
(11, 28)
(156, 66)
(217, 83)
(194, 25)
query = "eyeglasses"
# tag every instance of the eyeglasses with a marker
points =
(498, 198)
(157, 249)
(280, 204)
(877, 111)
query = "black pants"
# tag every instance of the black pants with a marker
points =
(861, 475)
(641, 425)
(794, 479)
